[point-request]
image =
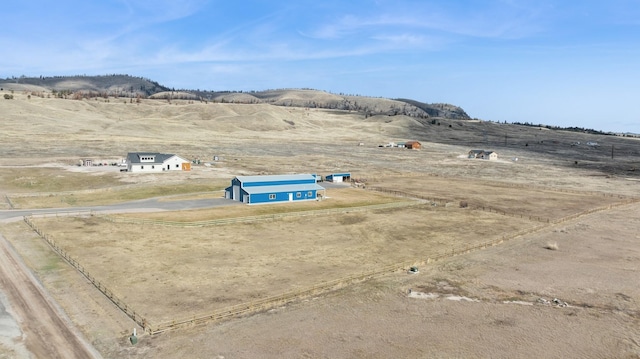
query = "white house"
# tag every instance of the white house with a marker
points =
(490, 155)
(156, 162)
(485, 155)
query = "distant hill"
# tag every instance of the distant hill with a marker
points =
(130, 86)
(38, 122)
(111, 85)
(443, 110)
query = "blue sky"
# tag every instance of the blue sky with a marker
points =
(565, 63)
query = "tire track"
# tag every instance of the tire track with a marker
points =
(47, 331)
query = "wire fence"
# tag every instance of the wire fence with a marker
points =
(527, 186)
(261, 305)
(443, 201)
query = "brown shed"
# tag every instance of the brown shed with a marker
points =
(414, 145)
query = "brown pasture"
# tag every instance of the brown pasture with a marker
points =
(168, 272)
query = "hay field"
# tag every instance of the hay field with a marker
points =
(168, 273)
(208, 268)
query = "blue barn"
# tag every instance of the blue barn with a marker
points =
(273, 189)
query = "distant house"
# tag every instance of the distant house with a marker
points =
(490, 155)
(339, 177)
(409, 144)
(475, 153)
(274, 189)
(482, 154)
(413, 145)
(156, 162)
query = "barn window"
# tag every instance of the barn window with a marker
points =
(152, 167)
(309, 194)
(298, 195)
(177, 165)
(272, 196)
(141, 167)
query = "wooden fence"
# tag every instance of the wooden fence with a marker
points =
(9, 203)
(126, 309)
(267, 303)
(264, 304)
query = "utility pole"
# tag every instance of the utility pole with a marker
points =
(611, 151)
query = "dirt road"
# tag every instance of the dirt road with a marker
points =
(46, 332)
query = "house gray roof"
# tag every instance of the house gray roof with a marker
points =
(134, 157)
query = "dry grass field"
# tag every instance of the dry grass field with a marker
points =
(494, 302)
(204, 269)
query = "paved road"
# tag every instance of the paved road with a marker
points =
(48, 331)
(153, 204)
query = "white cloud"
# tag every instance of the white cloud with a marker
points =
(502, 19)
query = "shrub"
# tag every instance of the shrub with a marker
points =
(8, 97)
